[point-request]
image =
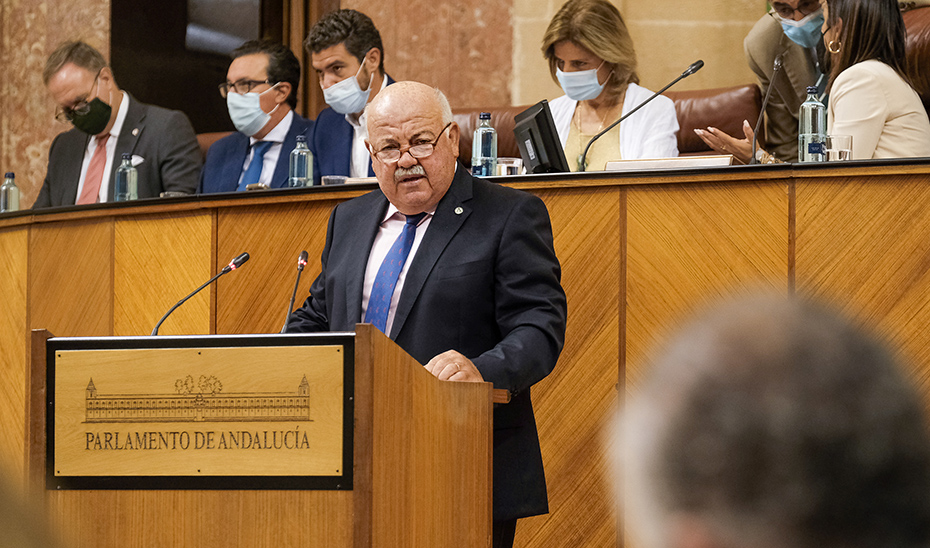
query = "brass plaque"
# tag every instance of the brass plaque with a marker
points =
(199, 412)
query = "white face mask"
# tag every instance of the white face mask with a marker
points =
(246, 112)
(581, 85)
(346, 97)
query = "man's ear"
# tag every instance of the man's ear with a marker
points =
(106, 75)
(373, 59)
(455, 134)
(282, 92)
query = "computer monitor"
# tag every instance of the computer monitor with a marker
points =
(538, 140)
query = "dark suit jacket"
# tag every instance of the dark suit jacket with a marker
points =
(485, 281)
(226, 157)
(163, 138)
(331, 144)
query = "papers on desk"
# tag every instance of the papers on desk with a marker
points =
(666, 163)
(360, 180)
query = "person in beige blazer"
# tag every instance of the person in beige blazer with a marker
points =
(871, 97)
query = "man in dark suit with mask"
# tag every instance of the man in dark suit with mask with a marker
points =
(460, 272)
(261, 95)
(346, 52)
(108, 122)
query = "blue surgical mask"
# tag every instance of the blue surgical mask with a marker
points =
(347, 97)
(806, 32)
(581, 85)
(246, 112)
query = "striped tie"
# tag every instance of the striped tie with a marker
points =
(379, 303)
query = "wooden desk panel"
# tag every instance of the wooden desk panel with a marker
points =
(71, 277)
(254, 299)
(14, 248)
(687, 244)
(158, 260)
(864, 246)
(573, 402)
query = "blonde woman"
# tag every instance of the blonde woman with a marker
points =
(591, 56)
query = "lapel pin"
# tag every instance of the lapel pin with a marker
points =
(135, 132)
(459, 210)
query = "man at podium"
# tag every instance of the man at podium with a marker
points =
(459, 272)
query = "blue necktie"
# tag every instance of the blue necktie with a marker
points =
(379, 303)
(254, 172)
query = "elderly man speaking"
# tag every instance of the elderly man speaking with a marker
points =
(461, 273)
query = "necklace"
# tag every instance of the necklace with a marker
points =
(576, 120)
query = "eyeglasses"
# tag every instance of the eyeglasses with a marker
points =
(67, 114)
(805, 8)
(241, 87)
(392, 155)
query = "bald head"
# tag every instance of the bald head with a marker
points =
(405, 115)
(413, 95)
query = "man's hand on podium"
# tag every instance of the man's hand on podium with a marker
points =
(453, 366)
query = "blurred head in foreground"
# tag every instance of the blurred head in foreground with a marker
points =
(22, 524)
(773, 423)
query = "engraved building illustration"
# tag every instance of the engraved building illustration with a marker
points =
(207, 405)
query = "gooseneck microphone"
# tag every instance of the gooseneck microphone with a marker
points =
(301, 263)
(768, 93)
(233, 264)
(695, 66)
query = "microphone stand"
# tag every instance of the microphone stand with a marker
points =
(768, 93)
(301, 263)
(695, 66)
(234, 264)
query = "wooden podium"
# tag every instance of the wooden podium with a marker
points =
(385, 456)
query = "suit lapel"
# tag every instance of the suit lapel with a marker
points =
(358, 262)
(234, 164)
(72, 162)
(790, 80)
(450, 215)
(129, 134)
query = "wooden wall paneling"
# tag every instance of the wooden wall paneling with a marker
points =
(574, 401)
(205, 519)
(688, 243)
(14, 338)
(254, 298)
(158, 260)
(863, 246)
(71, 277)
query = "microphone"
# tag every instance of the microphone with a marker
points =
(301, 263)
(233, 264)
(695, 66)
(768, 93)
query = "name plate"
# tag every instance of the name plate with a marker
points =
(268, 412)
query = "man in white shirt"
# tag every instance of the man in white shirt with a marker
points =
(108, 122)
(346, 52)
(261, 94)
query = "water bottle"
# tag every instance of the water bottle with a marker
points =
(9, 194)
(812, 129)
(484, 148)
(301, 166)
(127, 180)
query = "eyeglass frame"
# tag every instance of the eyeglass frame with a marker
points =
(409, 148)
(252, 84)
(789, 11)
(66, 115)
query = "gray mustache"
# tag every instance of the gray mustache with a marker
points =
(401, 172)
